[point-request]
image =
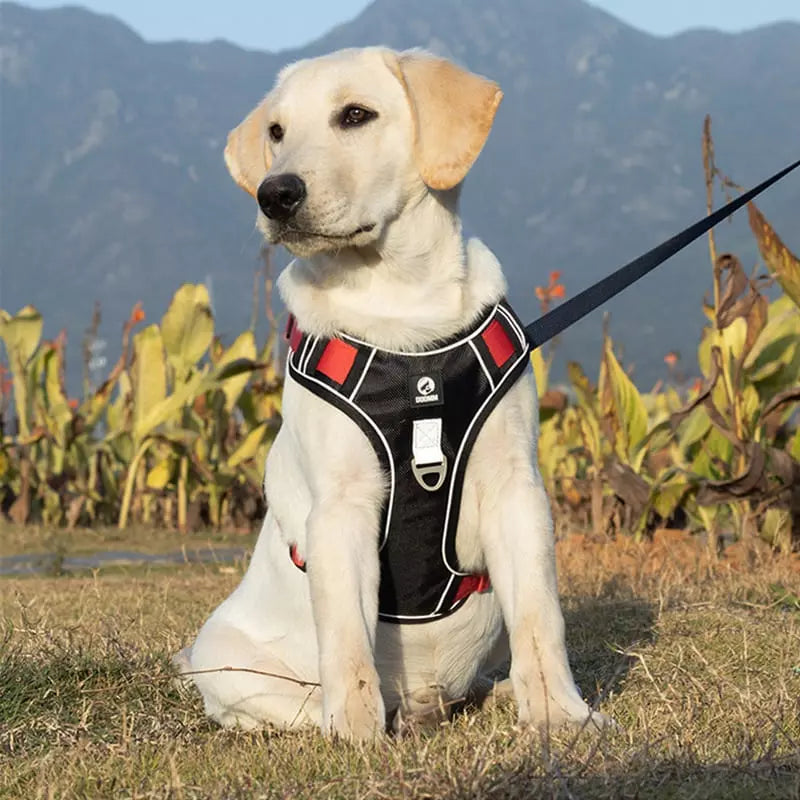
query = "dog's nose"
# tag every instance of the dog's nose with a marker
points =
(281, 195)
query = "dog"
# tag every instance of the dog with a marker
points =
(356, 160)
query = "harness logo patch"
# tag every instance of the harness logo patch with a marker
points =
(426, 389)
(425, 385)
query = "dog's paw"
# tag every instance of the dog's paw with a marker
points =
(575, 714)
(588, 720)
(360, 716)
(422, 709)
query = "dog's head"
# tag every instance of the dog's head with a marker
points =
(342, 143)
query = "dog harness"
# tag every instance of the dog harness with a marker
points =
(421, 412)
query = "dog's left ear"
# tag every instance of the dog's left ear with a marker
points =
(453, 113)
(247, 154)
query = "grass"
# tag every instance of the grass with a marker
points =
(697, 658)
(40, 539)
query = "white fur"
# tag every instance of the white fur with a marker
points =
(405, 284)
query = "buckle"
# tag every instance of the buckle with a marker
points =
(428, 458)
(421, 472)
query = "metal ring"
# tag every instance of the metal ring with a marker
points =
(420, 473)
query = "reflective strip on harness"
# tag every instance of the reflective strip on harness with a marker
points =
(337, 360)
(501, 348)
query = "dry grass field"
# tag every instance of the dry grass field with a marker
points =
(696, 656)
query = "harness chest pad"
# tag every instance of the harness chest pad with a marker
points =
(421, 412)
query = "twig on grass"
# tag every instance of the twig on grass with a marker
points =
(298, 681)
(302, 706)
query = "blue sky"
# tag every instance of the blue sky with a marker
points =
(278, 24)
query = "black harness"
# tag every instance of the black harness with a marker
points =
(421, 412)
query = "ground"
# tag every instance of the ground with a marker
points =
(696, 656)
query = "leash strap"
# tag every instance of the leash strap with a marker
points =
(561, 317)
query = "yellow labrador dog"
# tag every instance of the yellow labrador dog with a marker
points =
(356, 160)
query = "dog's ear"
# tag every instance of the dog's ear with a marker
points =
(247, 154)
(453, 113)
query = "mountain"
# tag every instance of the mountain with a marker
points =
(113, 187)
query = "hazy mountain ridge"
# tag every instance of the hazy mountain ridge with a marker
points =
(113, 184)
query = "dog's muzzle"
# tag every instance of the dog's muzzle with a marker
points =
(280, 196)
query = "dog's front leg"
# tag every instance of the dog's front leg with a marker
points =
(343, 573)
(518, 545)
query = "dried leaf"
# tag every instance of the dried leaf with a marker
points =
(780, 399)
(631, 488)
(553, 400)
(734, 285)
(702, 395)
(756, 316)
(748, 482)
(780, 261)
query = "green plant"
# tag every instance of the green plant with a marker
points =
(181, 425)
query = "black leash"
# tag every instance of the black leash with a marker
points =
(555, 321)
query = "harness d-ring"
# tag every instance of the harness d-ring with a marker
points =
(439, 470)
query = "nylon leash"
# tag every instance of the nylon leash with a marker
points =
(560, 318)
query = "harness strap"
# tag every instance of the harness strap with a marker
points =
(337, 358)
(293, 334)
(472, 584)
(469, 584)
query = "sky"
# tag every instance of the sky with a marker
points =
(276, 25)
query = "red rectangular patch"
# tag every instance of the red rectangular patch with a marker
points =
(337, 360)
(501, 348)
(295, 336)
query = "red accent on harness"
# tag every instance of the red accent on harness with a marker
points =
(337, 360)
(296, 338)
(293, 333)
(471, 584)
(295, 556)
(501, 348)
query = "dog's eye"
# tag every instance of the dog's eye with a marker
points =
(352, 116)
(275, 132)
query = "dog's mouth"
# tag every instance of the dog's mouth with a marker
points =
(292, 232)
